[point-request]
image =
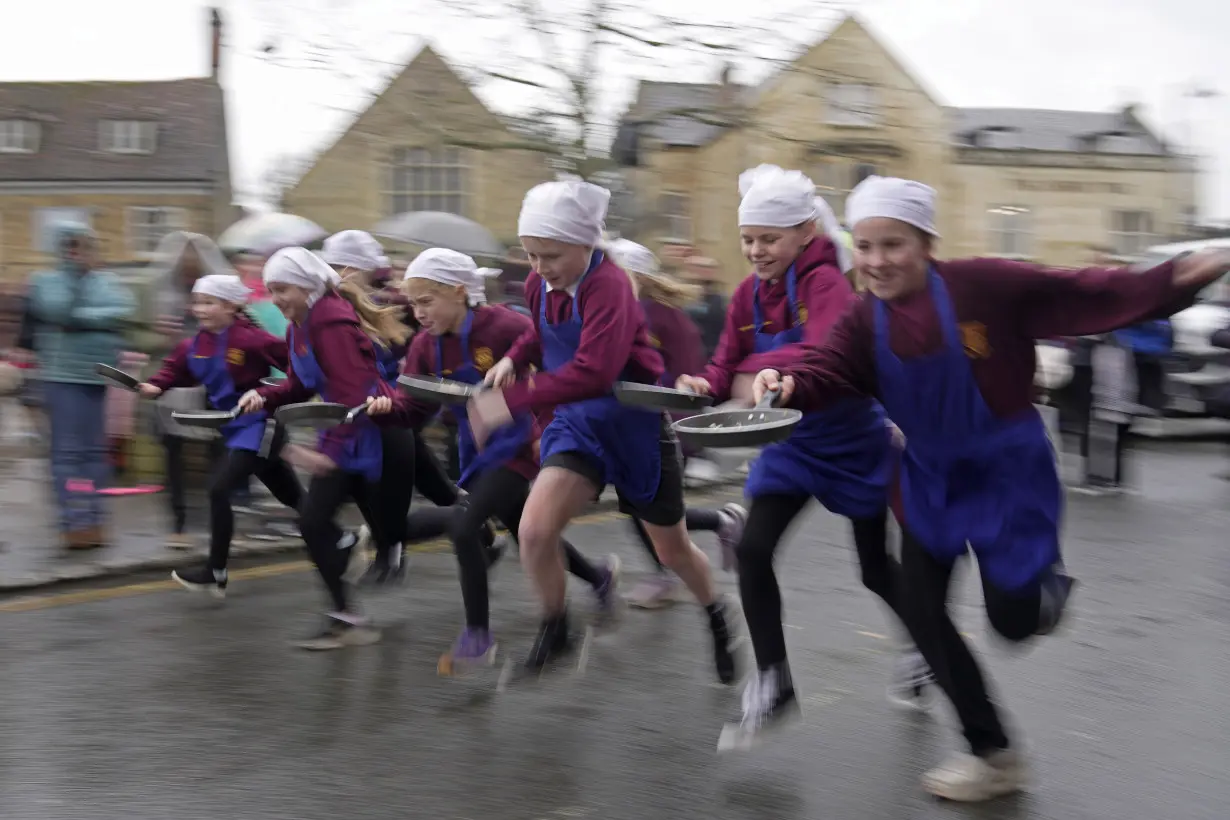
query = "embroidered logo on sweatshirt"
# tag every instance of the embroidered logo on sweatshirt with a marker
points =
(974, 340)
(234, 356)
(483, 359)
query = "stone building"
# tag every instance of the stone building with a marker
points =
(1027, 184)
(426, 143)
(133, 160)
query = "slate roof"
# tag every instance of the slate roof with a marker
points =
(191, 130)
(1036, 129)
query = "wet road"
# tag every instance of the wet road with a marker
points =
(145, 702)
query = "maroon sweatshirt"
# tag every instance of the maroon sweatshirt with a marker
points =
(250, 355)
(675, 336)
(493, 331)
(823, 293)
(346, 357)
(1001, 308)
(614, 337)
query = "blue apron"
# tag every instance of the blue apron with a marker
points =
(247, 432)
(967, 476)
(362, 452)
(623, 441)
(842, 455)
(388, 365)
(504, 443)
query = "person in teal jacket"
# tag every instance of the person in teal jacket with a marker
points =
(80, 314)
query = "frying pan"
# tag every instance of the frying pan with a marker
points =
(761, 425)
(273, 381)
(318, 414)
(212, 419)
(438, 391)
(659, 398)
(117, 377)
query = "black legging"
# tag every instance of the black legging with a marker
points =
(697, 521)
(323, 537)
(1015, 616)
(232, 471)
(430, 477)
(498, 493)
(173, 451)
(767, 522)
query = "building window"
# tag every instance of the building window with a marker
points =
(676, 215)
(1118, 144)
(1131, 232)
(147, 227)
(1000, 139)
(128, 136)
(835, 179)
(428, 180)
(47, 220)
(18, 137)
(853, 104)
(1011, 231)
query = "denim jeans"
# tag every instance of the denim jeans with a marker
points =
(78, 452)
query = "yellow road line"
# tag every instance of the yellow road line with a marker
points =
(87, 596)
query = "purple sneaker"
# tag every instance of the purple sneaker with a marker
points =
(608, 593)
(474, 647)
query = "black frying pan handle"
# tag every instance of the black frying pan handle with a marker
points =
(354, 413)
(769, 398)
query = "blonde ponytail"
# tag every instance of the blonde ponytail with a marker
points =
(667, 290)
(381, 323)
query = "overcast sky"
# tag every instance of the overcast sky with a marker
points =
(1091, 54)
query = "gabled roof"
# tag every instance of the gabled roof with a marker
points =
(1037, 129)
(191, 128)
(683, 114)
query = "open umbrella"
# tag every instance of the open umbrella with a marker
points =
(437, 229)
(262, 234)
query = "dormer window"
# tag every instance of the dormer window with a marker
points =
(1118, 144)
(1003, 139)
(19, 137)
(128, 136)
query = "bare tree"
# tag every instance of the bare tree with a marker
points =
(559, 72)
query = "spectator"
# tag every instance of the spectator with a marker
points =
(79, 314)
(709, 312)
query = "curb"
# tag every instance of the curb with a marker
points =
(242, 548)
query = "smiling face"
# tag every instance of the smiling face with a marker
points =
(438, 308)
(560, 264)
(212, 313)
(292, 300)
(891, 257)
(773, 250)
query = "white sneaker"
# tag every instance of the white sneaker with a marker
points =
(357, 565)
(658, 591)
(701, 469)
(768, 708)
(909, 688)
(966, 778)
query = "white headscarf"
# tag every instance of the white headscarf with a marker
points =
(633, 257)
(301, 268)
(450, 268)
(889, 197)
(224, 286)
(775, 198)
(832, 229)
(353, 249)
(569, 210)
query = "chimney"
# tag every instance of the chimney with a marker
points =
(215, 52)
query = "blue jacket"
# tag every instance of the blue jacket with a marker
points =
(79, 318)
